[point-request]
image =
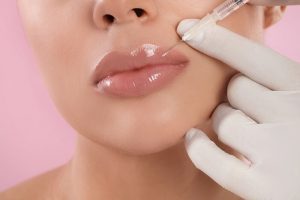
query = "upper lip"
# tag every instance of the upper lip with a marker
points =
(146, 55)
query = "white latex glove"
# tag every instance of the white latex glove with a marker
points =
(261, 121)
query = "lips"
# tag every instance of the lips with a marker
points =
(138, 72)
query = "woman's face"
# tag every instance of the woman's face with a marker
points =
(70, 36)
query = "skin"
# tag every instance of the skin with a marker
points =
(128, 148)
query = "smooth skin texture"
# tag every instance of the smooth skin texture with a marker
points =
(128, 148)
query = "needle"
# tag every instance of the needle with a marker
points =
(219, 13)
(172, 47)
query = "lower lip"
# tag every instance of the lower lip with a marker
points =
(139, 82)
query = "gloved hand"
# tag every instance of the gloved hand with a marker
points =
(261, 120)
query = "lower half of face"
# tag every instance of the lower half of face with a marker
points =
(67, 46)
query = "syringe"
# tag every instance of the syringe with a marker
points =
(219, 13)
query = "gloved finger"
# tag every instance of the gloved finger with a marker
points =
(225, 169)
(230, 125)
(256, 61)
(275, 2)
(262, 104)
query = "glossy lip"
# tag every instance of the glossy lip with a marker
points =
(116, 62)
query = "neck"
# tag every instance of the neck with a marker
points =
(98, 172)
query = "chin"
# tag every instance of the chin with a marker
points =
(149, 143)
(148, 138)
(149, 149)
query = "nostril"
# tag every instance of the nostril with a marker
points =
(139, 12)
(109, 18)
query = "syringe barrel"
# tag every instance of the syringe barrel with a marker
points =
(227, 8)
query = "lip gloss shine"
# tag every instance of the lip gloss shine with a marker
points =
(139, 72)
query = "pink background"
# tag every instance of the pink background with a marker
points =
(33, 136)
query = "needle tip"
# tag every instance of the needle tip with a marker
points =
(168, 50)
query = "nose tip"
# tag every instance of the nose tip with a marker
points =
(108, 12)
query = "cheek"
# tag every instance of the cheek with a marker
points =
(209, 79)
(248, 21)
(58, 43)
(211, 76)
